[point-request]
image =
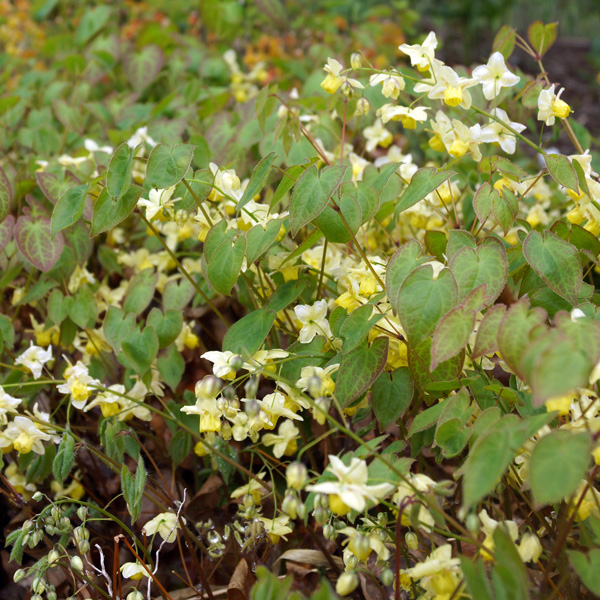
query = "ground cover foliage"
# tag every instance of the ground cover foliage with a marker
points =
(293, 309)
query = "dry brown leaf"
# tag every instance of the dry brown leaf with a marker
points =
(241, 582)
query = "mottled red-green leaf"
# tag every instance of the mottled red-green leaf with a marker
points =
(35, 241)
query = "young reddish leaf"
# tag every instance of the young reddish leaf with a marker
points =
(35, 240)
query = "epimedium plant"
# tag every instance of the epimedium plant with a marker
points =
(397, 323)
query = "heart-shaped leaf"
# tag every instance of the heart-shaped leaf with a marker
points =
(167, 165)
(140, 349)
(35, 240)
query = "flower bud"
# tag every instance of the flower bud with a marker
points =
(38, 585)
(347, 583)
(329, 532)
(236, 362)
(473, 523)
(226, 431)
(360, 547)
(76, 563)
(83, 546)
(356, 60)
(228, 392)
(53, 556)
(289, 506)
(37, 496)
(321, 515)
(82, 513)
(412, 541)
(28, 525)
(387, 577)
(362, 107)
(296, 475)
(251, 387)
(19, 575)
(301, 510)
(50, 529)
(51, 595)
(530, 548)
(135, 595)
(252, 408)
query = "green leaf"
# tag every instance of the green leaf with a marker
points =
(171, 367)
(35, 240)
(180, 446)
(82, 308)
(257, 180)
(423, 182)
(312, 191)
(140, 291)
(486, 341)
(57, 308)
(247, 335)
(385, 173)
(426, 419)
(489, 458)
(588, 568)
(542, 36)
(259, 239)
(423, 301)
(504, 42)
(487, 264)
(505, 209)
(167, 165)
(558, 463)
(390, 397)
(6, 231)
(63, 461)
(457, 240)
(108, 213)
(556, 261)
(357, 325)
(484, 199)
(117, 327)
(140, 349)
(509, 575)
(177, 294)
(475, 576)
(133, 488)
(515, 331)
(562, 171)
(443, 378)
(118, 176)
(359, 369)
(289, 179)
(69, 208)
(368, 199)
(285, 294)
(405, 259)
(451, 335)
(6, 195)
(92, 21)
(141, 68)
(167, 325)
(331, 221)
(225, 264)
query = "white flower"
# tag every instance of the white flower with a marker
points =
(134, 570)
(334, 79)
(496, 132)
(92, 146)
(276, 528)
(530, 548)
(158, 200)
(77, 384)
(494, 76)
(80, 275)
(377, 135)
(314, 321)
(421, 55)
(451, 88)
(165, 524)
(285, 440)
(439, 560)
(407, 116)
(351, 487)
(274, 406)
(24, 435)
(392, 84)
(8, 404)
(221, 363)
(34, 358)
(550, 106)
(462, 139)
(139, 137)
